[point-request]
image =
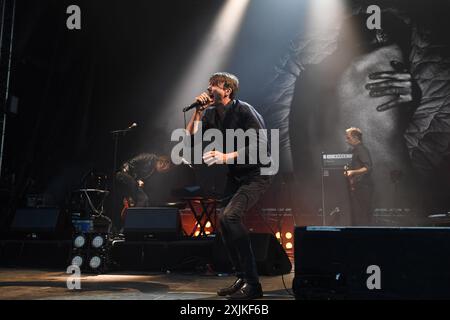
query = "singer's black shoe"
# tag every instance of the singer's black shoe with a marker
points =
(248, 292)
(238, 284)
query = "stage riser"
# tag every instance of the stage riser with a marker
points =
(39, 254)
(271, 259)
(193, 255)
(414, 262)
(189, 255)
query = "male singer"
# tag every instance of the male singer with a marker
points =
(218, 108)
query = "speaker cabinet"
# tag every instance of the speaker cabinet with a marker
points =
(335, 197)
(152, 223)
(40, 224)
(271, 259)
(349, 263)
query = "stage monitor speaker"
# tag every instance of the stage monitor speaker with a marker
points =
(152, 223)
(190, 255)
(38, 223)
(271, 259)
(372, 263)
(336, 199)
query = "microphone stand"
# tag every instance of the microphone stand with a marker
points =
(116, 134)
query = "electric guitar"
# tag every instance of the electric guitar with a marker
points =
(128, 202)
(350, 180)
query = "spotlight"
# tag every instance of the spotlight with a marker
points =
(212, 55)
(208, 225)
(95, 262)
(79, 241)
(289, 245)
(77, 261)
(278, 235)
(98, 241)
(288, 235)
(196, 234)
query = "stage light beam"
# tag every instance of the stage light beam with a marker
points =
(325, 15)
(211, 57)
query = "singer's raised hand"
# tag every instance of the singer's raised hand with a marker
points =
(202, 102)
(205, 100)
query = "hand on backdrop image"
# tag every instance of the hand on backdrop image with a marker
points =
(397, 83)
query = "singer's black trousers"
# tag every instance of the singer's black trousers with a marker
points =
(242, 194)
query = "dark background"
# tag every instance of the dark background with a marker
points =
(74, 87)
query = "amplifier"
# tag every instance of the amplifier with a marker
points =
(336, 160)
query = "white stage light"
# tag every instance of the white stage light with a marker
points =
(79, 241)
(95, 262)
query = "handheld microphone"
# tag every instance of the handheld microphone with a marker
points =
(192, 106)
(195, 105)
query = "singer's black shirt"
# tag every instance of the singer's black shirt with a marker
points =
(238, 115)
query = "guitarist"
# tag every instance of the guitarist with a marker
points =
(359, 177)
(134, 172)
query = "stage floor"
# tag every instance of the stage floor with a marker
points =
(34, 284)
